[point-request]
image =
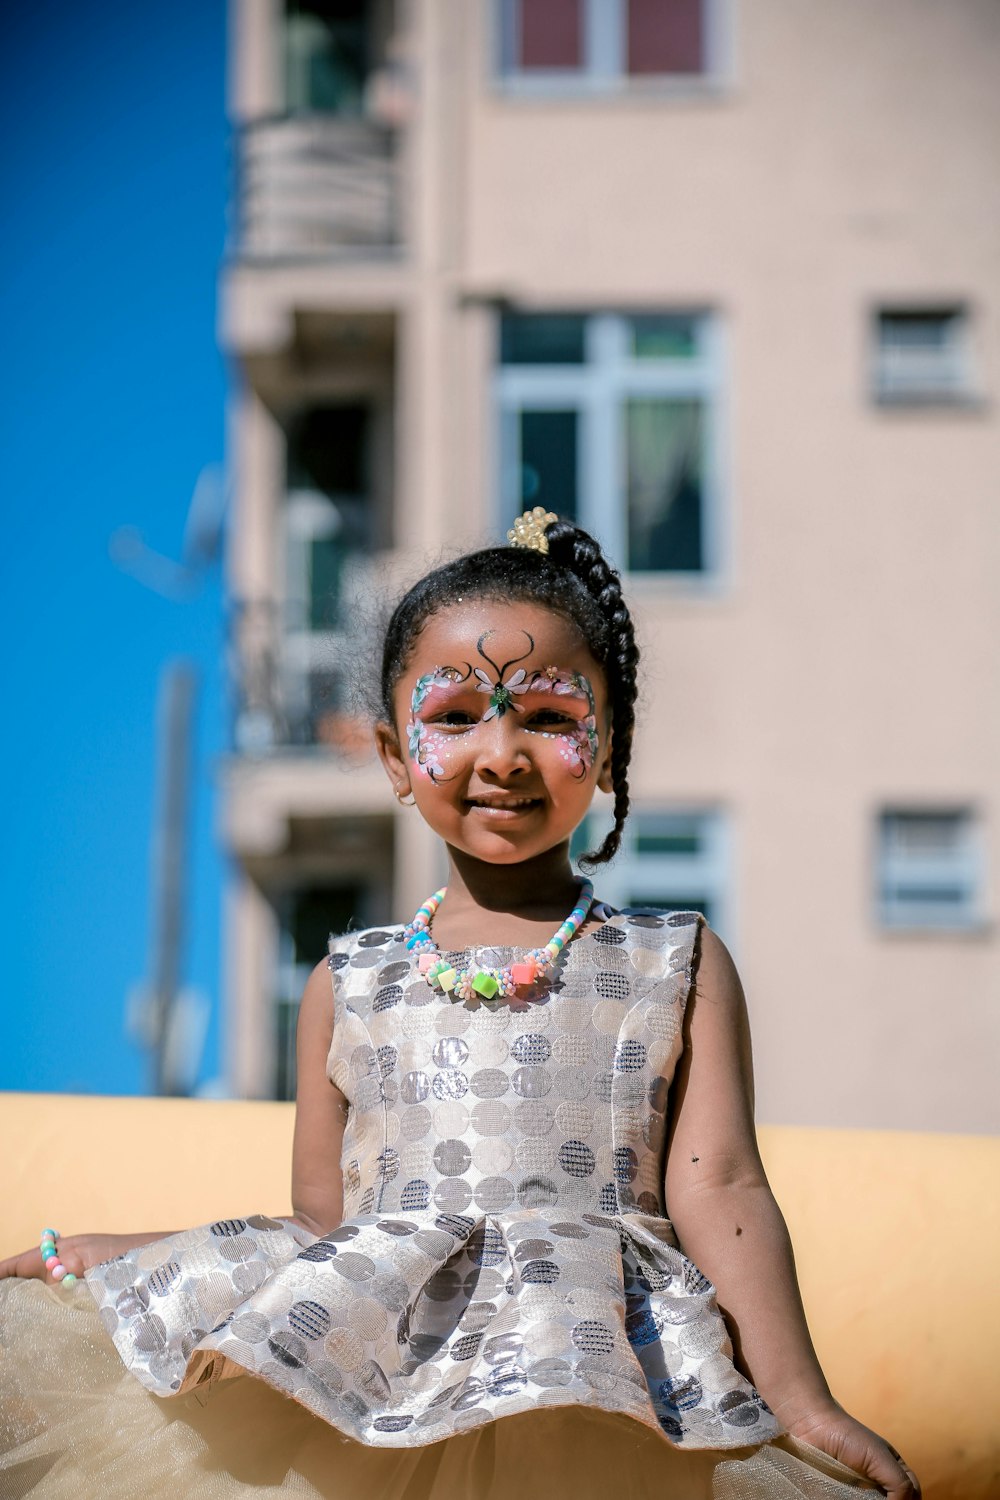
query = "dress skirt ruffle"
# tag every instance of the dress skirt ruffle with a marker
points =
(75, 1423)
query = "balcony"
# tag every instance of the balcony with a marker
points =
(290, 687)
(316, 187)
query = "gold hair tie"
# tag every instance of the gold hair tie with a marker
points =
(529, 530)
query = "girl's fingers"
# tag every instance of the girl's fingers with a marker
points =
(910, 1489)
(913, 1493)
(27, 1264)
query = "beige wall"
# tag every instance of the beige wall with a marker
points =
(845, 660)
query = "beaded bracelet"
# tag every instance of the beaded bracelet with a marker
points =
(50, 1259)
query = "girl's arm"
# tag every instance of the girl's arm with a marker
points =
(729, 1224)
(320, 1113)
(320, 1116)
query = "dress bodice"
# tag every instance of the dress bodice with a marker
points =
(479, 1107)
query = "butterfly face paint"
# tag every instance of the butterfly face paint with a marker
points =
(425, 746)
(579, 744)
(430, 740)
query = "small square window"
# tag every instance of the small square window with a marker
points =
(922, 355)
(673, 860)
(929, 869)
(552, 44)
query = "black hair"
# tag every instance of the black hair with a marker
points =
(574, 579)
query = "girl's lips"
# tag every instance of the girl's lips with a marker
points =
(502, 807)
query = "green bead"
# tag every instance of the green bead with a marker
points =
(485, 985)
(68, 1278)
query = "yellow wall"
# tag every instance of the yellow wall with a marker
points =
(896, 1240)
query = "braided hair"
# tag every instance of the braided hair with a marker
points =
(574, 579)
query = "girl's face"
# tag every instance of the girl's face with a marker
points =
(501, 729)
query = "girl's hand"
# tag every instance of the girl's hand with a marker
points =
(78, 1252)
(851, 1443)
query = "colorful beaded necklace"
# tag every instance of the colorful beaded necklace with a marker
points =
(489, 983)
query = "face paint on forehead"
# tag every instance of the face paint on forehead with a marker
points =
(503, 688)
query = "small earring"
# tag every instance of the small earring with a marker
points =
(400, 798)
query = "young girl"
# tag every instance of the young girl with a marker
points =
(533, 1248)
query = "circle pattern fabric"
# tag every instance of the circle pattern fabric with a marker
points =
(504, 1242)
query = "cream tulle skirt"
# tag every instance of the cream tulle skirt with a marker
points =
(75, 1423)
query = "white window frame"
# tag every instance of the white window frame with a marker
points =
(307, 516)
(604, 64)
(948, 379)
(624, 882)
(597, 389)
(964, 866)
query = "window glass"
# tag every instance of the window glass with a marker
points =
(326, 55)
(663, 459)
(665, 36)
(667, 841)
(541, 339)
(921, 354)
(327, 449)
(928, 869)
(548, 461)
(656, 337)
(550, 34)
(328, 453)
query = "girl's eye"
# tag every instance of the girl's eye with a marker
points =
(454, 718)
(551, 718)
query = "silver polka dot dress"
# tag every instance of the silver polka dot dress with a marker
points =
(505, 1244)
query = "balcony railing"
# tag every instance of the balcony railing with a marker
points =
(290, 686)
(315, 187)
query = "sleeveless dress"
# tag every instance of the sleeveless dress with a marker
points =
(505, 1306)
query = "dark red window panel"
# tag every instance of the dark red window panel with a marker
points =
(666, 36)
(551, 34)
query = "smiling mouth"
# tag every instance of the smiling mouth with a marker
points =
(497, 806)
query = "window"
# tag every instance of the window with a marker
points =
(328, 531)
(546, 45)
(612, 421)
(929, 869)
(922, 355)
(326, 55)
(677, 859)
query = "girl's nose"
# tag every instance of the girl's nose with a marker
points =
(501, 751)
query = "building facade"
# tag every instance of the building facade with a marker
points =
(719, 279)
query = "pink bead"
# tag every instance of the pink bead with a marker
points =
(425, 960)
(58, 1272)
(523, 973)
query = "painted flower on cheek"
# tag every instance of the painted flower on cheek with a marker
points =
(422, 744)
(423, 750)
(591, 741)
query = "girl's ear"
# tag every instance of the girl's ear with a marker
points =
(604, 781)
(391, 755)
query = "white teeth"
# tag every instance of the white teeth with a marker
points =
(503, 806)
